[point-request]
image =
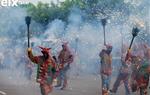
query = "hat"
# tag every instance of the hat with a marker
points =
(108, 46)
(46, 50)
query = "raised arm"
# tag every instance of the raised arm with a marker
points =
(33, 58)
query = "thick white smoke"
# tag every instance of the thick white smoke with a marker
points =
(85, 39)
(13, 45)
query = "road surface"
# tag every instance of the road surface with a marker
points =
(83, 85)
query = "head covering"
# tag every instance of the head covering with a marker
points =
(45, 50)
(108, 46)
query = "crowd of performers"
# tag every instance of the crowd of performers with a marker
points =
(134, 72)
(52, 67)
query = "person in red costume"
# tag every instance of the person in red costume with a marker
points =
(46, 69)
(124, 74)
(65, 58)
(106, 68)
(140, 80)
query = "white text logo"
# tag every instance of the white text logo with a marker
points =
(10, 3)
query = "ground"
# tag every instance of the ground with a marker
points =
(83, 85)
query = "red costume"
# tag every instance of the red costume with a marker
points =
(65, 58)
(46, 66)
(106, 68)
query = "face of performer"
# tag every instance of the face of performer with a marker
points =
(45, 55)
(64, 47)
(109, 50)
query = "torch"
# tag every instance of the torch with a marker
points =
(135, 32)
(104, 21)
(28, 21)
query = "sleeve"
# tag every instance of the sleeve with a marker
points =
(34, 59)
(105, 58)
(128, 55)
(59, 57)
(101, 53)
(71, 58)
(110, 59)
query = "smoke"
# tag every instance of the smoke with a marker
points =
(85, 39)
(13, 45)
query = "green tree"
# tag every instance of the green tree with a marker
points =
(39, 13)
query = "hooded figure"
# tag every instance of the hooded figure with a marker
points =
(46, 68)
(106, 68)
(124, 74)
(65, 58)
